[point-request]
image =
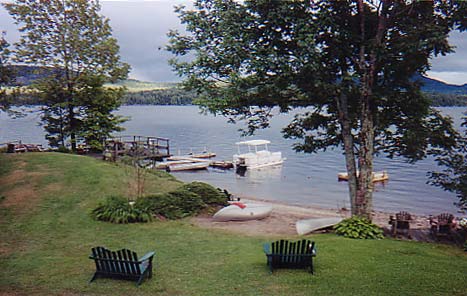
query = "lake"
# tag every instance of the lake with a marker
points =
(303, 179)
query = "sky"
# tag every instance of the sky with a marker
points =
(141, 27)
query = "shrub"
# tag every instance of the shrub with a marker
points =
(358, 227)
(63, 149)
(208, 194)
(116, 209)
(173, 205)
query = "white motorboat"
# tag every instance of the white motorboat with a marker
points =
(309, 225)
(258, 155)
(242, 212)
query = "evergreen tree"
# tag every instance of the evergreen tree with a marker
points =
(72, 38)
(346, 64)
(6, 74)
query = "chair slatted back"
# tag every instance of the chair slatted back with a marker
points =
(285, 253)
(403, 216)
(445, 223)
(124, 262)
(445, 218)
(403, 220)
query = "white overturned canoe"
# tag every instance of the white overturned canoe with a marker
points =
(242, 212)
(309, 225)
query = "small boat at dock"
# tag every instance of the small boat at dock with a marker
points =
(377, 176)
(222, 164)
(189, 166)
(204, 155)
(183, 163)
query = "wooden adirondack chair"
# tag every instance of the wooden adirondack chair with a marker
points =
(401, 223)
(122, 264)
(442, 225)
(286, 254)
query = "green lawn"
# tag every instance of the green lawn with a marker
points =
(46, 236)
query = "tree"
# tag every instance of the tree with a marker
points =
(6, 74)
(453, 177)
(72, 38)
(347, 64)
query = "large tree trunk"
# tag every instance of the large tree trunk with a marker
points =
(347, 137)
(364, 199)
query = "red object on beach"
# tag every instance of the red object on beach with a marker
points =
(239, 204)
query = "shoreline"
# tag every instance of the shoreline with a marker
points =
(380, 218)
(284, 216)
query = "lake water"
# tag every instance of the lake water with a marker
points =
(303, 179)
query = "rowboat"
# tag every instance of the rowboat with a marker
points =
(203, 155)
(377, 176)
(189, 166)
(309, 225)
(242, 212)
(222, 164)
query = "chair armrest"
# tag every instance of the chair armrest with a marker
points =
(314, 251)
(147, 256)
(266, 247)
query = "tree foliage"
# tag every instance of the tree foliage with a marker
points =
(346, 64)
(6, 74)
(75, 41)
(453, 176)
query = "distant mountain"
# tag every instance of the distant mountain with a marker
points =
(27, 74)
(430, 85)
(157, 93)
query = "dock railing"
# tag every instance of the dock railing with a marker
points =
(139, 146)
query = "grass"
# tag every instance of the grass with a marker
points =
(46, 237)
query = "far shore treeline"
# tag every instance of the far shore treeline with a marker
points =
(167, 96)
(153, 93)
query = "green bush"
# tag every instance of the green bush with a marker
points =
(173, 205)
(208, 194)
(358, 227)
(63, 149)
(116, 209)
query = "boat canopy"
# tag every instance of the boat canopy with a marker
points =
(254, 142)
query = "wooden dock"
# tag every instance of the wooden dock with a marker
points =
(141, 147)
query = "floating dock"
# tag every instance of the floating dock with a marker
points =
(377, 176)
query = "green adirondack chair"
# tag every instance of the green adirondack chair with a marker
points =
(122, 264)
(287, 254)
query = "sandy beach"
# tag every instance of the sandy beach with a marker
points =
(284, 216)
